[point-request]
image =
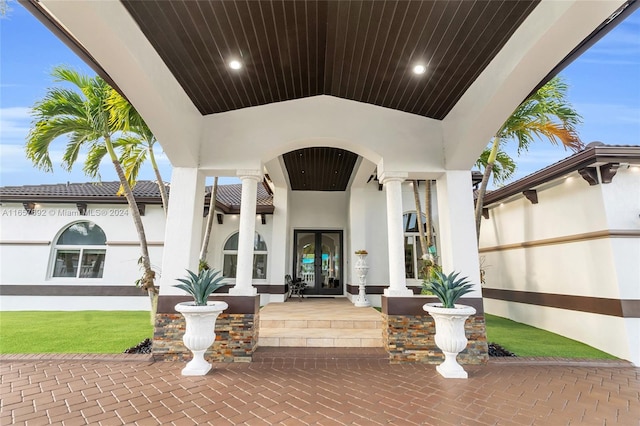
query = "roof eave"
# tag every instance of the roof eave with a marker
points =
(591, 156)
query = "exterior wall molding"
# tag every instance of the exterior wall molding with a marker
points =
(24, 243)
(134, 243)
(625, 308)
(607, 233)
(80, 289)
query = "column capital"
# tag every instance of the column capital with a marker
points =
(250, 174)
(393, 177)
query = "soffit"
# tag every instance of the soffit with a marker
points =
(319, 168)
(358, 50)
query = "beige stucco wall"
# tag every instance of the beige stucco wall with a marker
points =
(606, 267)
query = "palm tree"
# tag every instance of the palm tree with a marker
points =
(207, 232)
(136, 145)
(416, 198)
(503, 168)
(428, 263)
(547, 114)
(83, 115)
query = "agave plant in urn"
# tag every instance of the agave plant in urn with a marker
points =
(449, 318)
(200, 316)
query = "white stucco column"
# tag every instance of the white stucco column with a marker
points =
(246, 235)
(458, 243)
(279, 239)
(183, 231)
(392, 182)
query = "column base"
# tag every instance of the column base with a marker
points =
(243, 291)
(405, 292)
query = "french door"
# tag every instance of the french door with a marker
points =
(318, 261)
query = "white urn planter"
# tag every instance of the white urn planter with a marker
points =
(362, 269)
(450, 336)
(200, 333)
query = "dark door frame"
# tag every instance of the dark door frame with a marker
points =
(318, 290)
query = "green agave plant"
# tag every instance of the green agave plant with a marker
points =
(448, 288)
(200, 286)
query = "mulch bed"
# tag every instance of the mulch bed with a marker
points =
(144, 347)
(496, 350)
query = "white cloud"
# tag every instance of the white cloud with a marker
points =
(609, 113)
(14, 124)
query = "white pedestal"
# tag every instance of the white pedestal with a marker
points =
(362, 269)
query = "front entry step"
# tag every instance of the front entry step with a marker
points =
(319, 323)
(321, 337)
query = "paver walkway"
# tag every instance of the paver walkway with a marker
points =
(305, 386)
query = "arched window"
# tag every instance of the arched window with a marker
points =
(79, 251)
(412, 246)
(259, 257)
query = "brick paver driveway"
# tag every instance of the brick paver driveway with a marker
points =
(305, 389)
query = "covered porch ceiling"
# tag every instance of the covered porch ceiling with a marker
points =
(482, 58)
(358, 50)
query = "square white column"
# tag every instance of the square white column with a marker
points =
(458, 243)
(183, 231)
(246, 234)
(392, 182)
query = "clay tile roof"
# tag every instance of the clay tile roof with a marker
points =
(231, 194)
(86, 190)
(228, 197)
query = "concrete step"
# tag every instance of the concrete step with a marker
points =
(320, 337)
(316, 323)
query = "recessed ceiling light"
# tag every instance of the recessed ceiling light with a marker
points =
(419, 69)
(235, 65)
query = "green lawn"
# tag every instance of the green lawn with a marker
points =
(115, 331)
(524, 340)
(72, 332)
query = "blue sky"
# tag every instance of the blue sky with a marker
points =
(604, 88)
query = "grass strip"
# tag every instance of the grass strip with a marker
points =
(72, 332)
(527, 341)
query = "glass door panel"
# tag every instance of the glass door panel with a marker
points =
(305, 261)
(318, 261)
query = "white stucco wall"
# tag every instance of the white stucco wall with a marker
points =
(606, 267)
(26, 253)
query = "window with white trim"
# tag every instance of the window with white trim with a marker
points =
(230, 262)
(412, 246)
(79, 251)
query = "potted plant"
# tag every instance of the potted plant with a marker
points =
(450, 319)
(200, 316)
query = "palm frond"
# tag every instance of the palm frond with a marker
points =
(95, 156)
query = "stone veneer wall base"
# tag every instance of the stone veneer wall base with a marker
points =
(409, 333)
(236, 333)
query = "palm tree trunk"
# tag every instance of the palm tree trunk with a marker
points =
(163, 189)
(207, 231)
(483, 185)
(423, 239)
(148, 277)
(428, 213)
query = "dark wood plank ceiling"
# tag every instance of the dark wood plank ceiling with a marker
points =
(319, 168)
(359, 50)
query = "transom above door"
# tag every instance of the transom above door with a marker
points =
(318, 261)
